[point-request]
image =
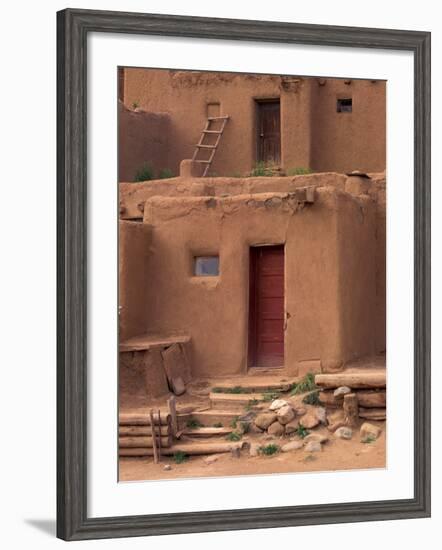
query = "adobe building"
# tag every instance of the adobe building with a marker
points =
(288, 122)
(248, 274)
(226, 276)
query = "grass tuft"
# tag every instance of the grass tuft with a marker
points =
(312, 399)
(306, 384)
(193, 423)
(180, 456)
(145, 173)
(298, 171)
(301, 431)
(234, 436)
(269, 450)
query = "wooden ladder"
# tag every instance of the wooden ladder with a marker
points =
(212, 147)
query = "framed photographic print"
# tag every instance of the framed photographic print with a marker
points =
(243, 274)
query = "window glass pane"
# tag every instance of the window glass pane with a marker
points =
(344, 105)
(206, 266)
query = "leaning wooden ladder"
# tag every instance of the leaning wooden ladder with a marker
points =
(209, 131)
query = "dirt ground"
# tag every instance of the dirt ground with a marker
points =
(337, 454)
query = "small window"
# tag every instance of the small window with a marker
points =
(344, 105)
(206, 266)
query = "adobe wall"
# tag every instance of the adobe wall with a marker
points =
(313, 134)
(344, 142)
(176, 300)
(142, 138)
(134, 195)
(185, 95)
(134, 240)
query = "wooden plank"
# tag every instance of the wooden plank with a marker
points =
(171, 405)
(206, 431)
(144, 441)
(351, 409)
(143, 430)
(175, 367)
(366, 398)
(373, 414)
(190, 448)
(138, 419)
(152, 439)
(354, 380)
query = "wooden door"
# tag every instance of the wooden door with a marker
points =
(266, 307)
(269, 132)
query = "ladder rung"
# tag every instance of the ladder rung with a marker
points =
(212, 132)
(203, 161)
(217, 118)
(205, 146)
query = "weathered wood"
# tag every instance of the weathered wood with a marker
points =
(366, 398)
(351, 410)
(137, 419)
(157, 435)
(373, 414)
(144, 441)
(353, 380)
(372, 399)
(152, 439)
(206, 431)
(171, 405)
(175, 367)
(189, 448)
(143, 430)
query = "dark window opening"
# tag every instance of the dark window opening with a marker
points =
(344, 105)
(206, 266)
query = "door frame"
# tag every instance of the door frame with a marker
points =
(259, 101)
(251, 312)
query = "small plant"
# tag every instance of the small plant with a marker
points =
(165, 173)
(369, 439)
(252, 403)
(301, 431)
(234, 422)
(233, 436)
(236, 175)
(193, 423)
(306, 384)
(270, 396)
(234, 390)
(261, 169)
(135, 105)
(145, 173)
(298, 171)
(180, 456)
(244, 426)
(269, 450)
(218, 425)
(312, 399)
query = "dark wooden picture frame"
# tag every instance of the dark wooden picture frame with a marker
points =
(73, 27)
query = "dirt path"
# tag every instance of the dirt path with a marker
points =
(337, 454)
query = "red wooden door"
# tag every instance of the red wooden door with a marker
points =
(269, 132)
(266, 308)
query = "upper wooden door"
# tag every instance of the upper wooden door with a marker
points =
(266, 309)
(269, 132)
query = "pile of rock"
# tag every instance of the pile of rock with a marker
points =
(283, 418)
